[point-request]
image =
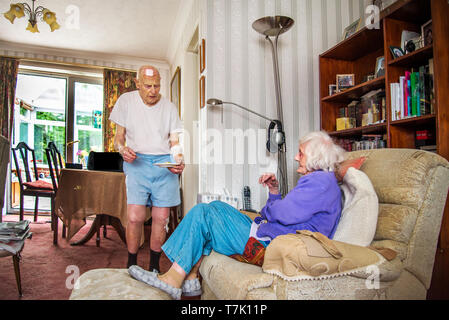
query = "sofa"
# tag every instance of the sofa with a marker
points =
(411, 187)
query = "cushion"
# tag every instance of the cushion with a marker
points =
(358, 219)
(308, 255)
(39, 184)
(343, 167)
(113, 284)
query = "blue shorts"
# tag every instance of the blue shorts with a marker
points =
(150, 185)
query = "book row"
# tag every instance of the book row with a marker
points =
(413, 95)
(366, 142)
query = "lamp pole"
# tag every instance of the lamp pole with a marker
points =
(274, 27)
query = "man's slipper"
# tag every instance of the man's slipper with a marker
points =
(151, 279)
(191, 288)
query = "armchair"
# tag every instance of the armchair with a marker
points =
(412, 187)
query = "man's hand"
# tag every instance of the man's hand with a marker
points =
(269, 180)
(177, 169)
(128, 154)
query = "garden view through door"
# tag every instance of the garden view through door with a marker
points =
(59, 109)
(88, 120)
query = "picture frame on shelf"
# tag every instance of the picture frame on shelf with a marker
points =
(175, 89)
(202, 87)
(396, 52)
(352, 28)
(369, 77)
(202, 51)
(380, 67)
(345, 81)
(426, 33)
(332, 89)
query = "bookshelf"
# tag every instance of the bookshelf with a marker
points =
(358, 54)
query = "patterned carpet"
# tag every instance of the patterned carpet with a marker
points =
(48, 271)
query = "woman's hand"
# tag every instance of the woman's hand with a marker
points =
(269, 180)
(128, 154)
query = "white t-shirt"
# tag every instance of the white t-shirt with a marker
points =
(147, 128)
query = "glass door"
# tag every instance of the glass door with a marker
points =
(67, 110)
(88, 115)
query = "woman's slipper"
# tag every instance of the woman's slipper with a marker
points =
(191, 288)
(152, 279)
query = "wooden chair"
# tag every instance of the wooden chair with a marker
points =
(30, 187)
(55, 165)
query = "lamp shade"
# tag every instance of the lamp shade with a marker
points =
(54, 26)
(32, 28)
(48, 16)
(15, 11)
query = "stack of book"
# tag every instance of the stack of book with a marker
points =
(13, 234)
(425, 140)
(366, 142)
(413, 95)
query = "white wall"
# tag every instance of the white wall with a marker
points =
(185, 38)
(239, 69)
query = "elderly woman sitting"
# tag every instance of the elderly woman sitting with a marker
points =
(314, 204)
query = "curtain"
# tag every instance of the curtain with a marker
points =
(115, 84)
(8, 81)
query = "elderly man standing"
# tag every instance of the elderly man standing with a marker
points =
(148, 128)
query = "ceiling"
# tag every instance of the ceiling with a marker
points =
(134, 28)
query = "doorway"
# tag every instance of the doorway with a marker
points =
(190, 117)
(52, 106)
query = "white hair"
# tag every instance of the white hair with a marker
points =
(321, 152)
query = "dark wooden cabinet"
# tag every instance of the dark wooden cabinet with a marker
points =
(357, 55)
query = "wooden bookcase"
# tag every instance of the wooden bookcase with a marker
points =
(357, 55)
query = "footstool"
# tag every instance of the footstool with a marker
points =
(113, 284)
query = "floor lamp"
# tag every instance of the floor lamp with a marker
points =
(274, 27)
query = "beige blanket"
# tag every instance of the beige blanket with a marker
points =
(311, 255)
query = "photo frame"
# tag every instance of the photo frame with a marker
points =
(175, 90)
(202, 88)
(379, 70)
(426, 33)
(332, 89)
(352, 28)
(202, 51)
(396, 52)
(345, 81)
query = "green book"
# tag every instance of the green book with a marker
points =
(414, 88)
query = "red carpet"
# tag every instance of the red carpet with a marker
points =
(43, 265)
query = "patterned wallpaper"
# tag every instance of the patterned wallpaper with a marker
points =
(239, 69)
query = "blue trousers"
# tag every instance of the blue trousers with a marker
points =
(215, 226)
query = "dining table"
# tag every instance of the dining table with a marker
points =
(84, 193)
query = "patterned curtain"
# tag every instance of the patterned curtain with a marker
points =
(8, 80)
(115, 84)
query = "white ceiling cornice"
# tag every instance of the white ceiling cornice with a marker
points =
(76, 56)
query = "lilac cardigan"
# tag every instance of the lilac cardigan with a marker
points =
(314, 204)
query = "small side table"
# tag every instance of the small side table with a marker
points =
(16, 260)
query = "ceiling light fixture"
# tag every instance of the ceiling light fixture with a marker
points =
(18, 10)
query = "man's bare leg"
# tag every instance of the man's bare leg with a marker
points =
(158, 235)
(136, 219)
